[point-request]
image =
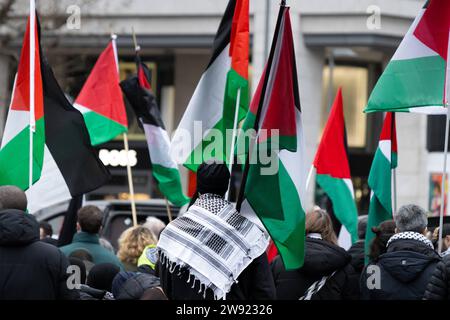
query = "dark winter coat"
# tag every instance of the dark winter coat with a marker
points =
(30, 269)
(358, 255)
(439, 286)
(321, 259)
(402, 273)
(254, 283)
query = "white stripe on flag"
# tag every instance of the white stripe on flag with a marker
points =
(158, 146)
(50, 189)
(206, 105)
(15, 123)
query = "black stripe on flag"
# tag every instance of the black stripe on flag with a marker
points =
(223, 35)
(67, 138)
(142, 101)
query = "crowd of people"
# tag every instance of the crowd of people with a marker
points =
(213, 252)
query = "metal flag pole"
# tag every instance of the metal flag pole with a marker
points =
(32, 34)
(233, 141)
(444, 172)
(125, 144)
(308, 179)
(394, 170)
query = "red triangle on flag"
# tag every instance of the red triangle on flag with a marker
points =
(331, 157)
(101, 93)
(21, 92)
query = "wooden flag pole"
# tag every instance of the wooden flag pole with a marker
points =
(125, 144)
(169, 211)
(31, 82)
(233, 142)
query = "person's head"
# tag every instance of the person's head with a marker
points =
(213, 177)
(318, 221)
(102, 275)
(155, 225)
(362, 226)
(411, 218)
(445, 237)
(81, 267)
(383, 233)
(12, 197)
(90, 219)
(155, 293)
(46, 229)
(132, 243)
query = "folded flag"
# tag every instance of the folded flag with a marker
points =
(138, 92)
(333, 173)
(64, 163)
(100, 100)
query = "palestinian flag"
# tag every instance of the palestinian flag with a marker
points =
(213, 103)
(333, 173)
(414, 79)
(64, 163)
(275, 190)
(380, 177)
(138, 92)
(100, 100)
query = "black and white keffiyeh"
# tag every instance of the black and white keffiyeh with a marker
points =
(410, 235)
(213, 242)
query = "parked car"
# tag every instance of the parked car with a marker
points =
(117, 215)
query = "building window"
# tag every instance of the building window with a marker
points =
(354, 83)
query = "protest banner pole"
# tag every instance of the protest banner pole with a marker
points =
(125, 144)
(31, 89)
(233, 142)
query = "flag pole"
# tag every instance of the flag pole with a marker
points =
(394, 170)
(137, 48)
(125, 144)
(444, 172)
(169, 211)
(233, 142)
(308, 179)
(32, 34)
(240, 198)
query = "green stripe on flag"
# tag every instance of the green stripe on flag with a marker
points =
(15, 157)
(380, 207)
(169, 183)
(280, 210)
(409, 83)
(343, 203)
(102, 129)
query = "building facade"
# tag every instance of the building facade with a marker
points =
(344, 43)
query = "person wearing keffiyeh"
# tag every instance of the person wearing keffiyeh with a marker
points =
(211, 251)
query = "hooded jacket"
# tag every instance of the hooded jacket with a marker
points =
(403, 272)
(321, 259)
(439, 286)
(30, 269)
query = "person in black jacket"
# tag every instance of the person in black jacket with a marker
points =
(324, 262)
(403, 272)
(357, 249)
(439, 286)
(29, 269)
(210, 263)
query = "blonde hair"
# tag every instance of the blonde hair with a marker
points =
(319, 221)
(132, 243)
